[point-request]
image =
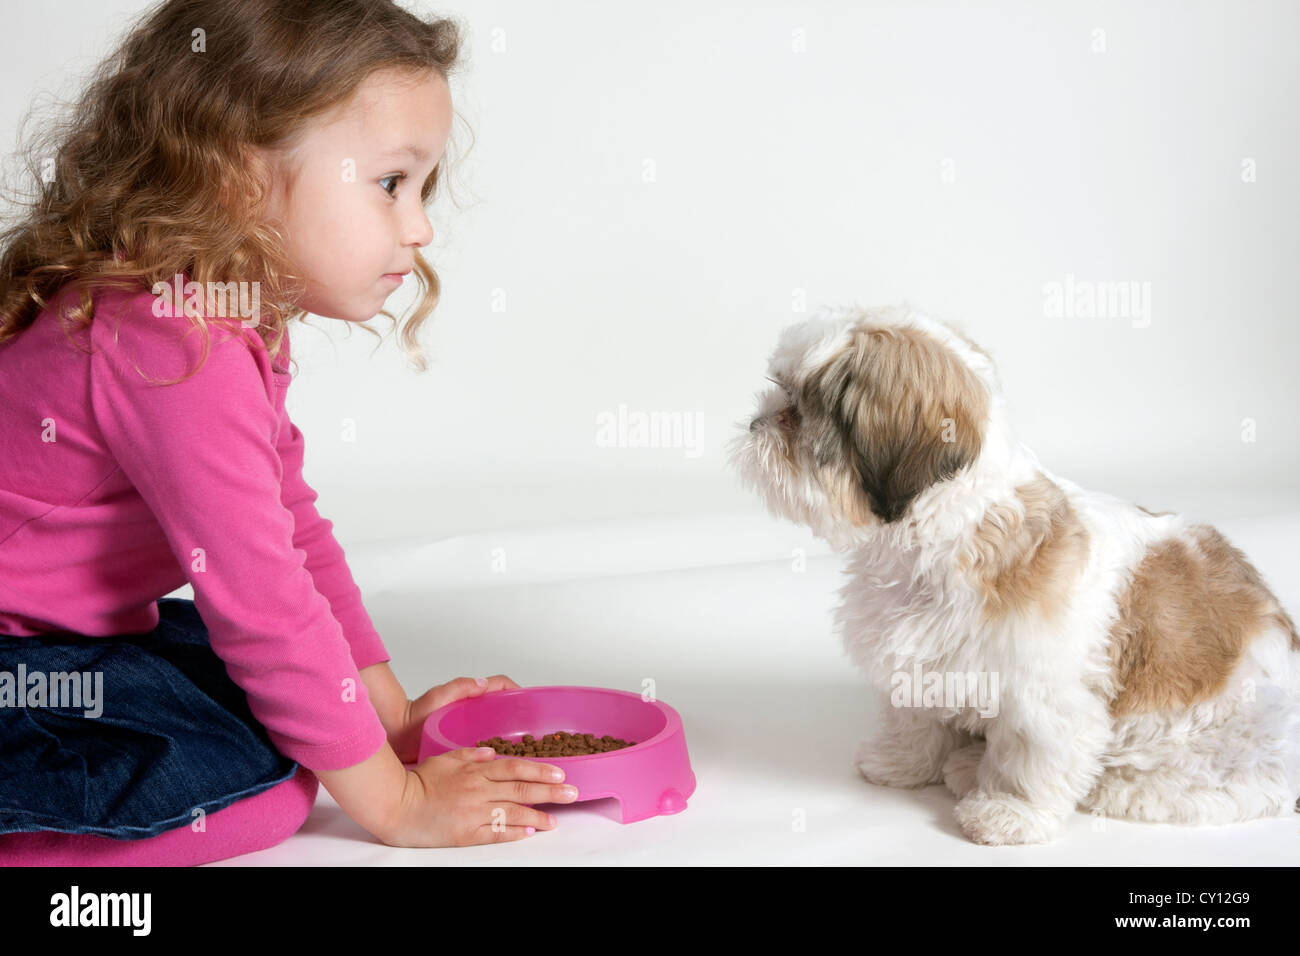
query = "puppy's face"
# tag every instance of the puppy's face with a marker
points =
(867, 409)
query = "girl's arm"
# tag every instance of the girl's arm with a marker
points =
(387, 697)
(371, 792)
(201, 455)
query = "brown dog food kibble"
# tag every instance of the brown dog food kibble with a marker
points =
(560, 744)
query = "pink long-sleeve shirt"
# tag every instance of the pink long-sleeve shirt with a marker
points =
(115, 492)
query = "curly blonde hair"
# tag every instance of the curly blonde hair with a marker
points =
(143, 166)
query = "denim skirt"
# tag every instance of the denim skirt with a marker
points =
(157, 732)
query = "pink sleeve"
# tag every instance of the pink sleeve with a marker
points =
(325, 558)
(202, 454)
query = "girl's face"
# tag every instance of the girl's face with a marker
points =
(347, 195)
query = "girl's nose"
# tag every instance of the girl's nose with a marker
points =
(420, 230)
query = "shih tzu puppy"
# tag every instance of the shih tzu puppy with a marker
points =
(1142, 668)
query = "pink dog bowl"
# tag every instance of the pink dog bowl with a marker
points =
(650, 778)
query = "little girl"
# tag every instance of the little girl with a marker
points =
(265, 159)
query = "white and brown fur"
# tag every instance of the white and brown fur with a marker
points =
(1145, 670)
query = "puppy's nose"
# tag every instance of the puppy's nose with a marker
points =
(754, 424)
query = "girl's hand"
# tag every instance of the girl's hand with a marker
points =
(405, 739)
(467, 797)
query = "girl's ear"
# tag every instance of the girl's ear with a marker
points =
(261, 166)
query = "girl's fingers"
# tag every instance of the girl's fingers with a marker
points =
(459, 689)
(530, 793)
(485, 834)
(506, 814)
(432, 699)
(465, 687)
(516, 768)
(525, 781)
(450, 692)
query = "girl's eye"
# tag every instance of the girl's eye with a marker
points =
(394, 177)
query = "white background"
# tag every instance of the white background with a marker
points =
(781, 175)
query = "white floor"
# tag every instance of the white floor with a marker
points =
(714, 609)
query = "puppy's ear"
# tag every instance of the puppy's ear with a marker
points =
(900, 412)
(981, 355)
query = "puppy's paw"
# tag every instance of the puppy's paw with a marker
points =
(1000, 819)
(960, 767)
(883, 763)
